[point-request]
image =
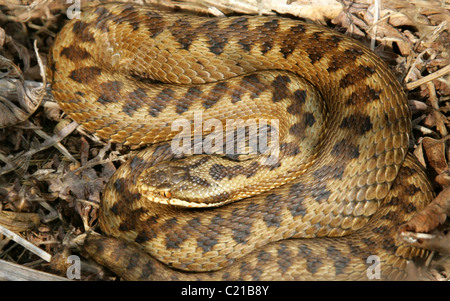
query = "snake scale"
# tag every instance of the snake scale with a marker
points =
(341, 181)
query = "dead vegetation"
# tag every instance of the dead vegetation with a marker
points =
(52, 173)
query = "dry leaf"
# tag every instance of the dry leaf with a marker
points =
(435, 153)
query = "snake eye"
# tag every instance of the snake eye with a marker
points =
(166, 194)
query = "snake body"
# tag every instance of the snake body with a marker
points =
(341, 181)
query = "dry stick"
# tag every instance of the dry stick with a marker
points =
(412, 65)
(55, 141)
(437, 114)
(25, 243)
(429, 77)
(375, 26)
(13, 272)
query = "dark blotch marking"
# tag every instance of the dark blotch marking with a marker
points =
(183, 32)
(192, 94)
(102, 12)
(119, 184)
(236, 95)
(289, 149)
(129, 15)
(335, 40)
(297, 129)
(315, 54)
(85, 75)
(410, 207)
(131, 216)
(104, 100)
(341, 60)
(345, 149)
(109, 92)
(256, 274)
(300, 96)
(134, 101)
(361, 123)
(118, 251)
(297, 190)
(75, 53)
(136, 162)
(381, 230)
(81, 30)
(292, 38)
(199, 181)
(299, 99)
(240, 25)
(273, 208)
(266, 38)
(309, 119)
(217, 221)
(161, 101)
(313, 263)
(329, 171)
(115, 209)
(217, 39)
(373, 94)
(216, 93)
(321, 193)
(207, 240)
(412, 189)
(126, 225)
(147, 269)
(297, 193)
(249, 84)
(369, 243)
(173, 238)
(99, 245)
(206, 243)
(154, 23)
(358, 74)
(162, 152)
(359, 252)
(263, 258)
(284, 257)
(218, 171)
(241, 227)
(280, 88)
(317, 47)
(103, 16)
(199, 162)
(145, 235)
(340, 261)
(363, 95)
(347, 80)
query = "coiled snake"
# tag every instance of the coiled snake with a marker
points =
(341, 181)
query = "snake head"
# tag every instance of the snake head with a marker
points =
(176, 184)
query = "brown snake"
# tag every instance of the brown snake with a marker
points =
(342, 181)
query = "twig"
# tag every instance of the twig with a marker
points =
(13, 272)
(25, 243)
(55, 141)
(429, 77)
(375, 26)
